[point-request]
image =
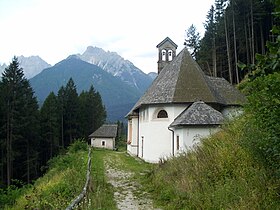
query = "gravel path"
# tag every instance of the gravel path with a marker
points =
(127, 195)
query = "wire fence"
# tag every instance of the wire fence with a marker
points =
(78, 199)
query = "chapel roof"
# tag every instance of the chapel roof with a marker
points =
(198, 113)
(106, 130)
(183, 81)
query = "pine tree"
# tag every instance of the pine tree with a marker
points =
(71, 112)
(192, 40)
(49, 128)
(61, 100)
(20, 124)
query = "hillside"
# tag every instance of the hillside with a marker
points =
(117, 96)
(220, 173)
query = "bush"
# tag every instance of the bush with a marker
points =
(264, 114)
(78, 145)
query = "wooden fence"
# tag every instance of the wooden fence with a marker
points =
(84, 191)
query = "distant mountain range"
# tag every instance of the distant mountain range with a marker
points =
(118, 67)
(118, 81)
(31, 66)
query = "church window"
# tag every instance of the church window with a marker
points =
(178, 143)
(129, 140)
(162, 114)
(170, 55)
(163, 55)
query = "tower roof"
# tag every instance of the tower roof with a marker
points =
(167, 39)
(183, 81)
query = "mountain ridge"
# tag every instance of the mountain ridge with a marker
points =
(116, 95)
(116, 65)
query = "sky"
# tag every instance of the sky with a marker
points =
(55, 29)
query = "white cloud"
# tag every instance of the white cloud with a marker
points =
(54, 29)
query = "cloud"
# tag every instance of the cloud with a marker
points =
(55, 29)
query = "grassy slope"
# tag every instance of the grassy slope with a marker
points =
(222, 173)
(60, 185)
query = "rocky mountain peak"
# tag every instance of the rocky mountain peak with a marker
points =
(32, 65)
(116, 65)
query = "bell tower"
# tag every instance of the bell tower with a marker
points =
(166, 52)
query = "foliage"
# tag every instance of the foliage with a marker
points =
(262, 88)
(217, 174)
(29, 137)
(60, 185)
(19, 126)
(192, 40)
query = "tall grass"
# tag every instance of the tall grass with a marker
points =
(60, 185)
(217, 174)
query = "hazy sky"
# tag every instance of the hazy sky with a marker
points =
(54, 29)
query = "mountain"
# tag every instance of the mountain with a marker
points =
(32, 65)
(2, 67)
(118, 67)
(152, 75)
(118, 96)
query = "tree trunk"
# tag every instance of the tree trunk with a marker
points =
(8, 145)
(62, 132)
(228, 52)
(235, 48)
(214, 57)
(262, 40)
(28, 162)
(246, 43)
(252, 34)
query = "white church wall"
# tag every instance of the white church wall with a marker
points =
(154, 137)
(191, 135)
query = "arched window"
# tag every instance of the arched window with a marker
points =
(170, 55)
(162, 114)
(163, 55)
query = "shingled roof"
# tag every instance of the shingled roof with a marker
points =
(183, 81)
(106, 130)
(198, 113)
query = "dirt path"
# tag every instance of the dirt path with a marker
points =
(128, 194)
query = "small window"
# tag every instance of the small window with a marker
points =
(162, 114)
(170, 55)
(103, 143)
(163, 55)
(178, 143)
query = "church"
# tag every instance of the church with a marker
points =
(181, 106)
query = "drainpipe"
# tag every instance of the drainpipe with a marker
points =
(172, 140)
(138, 136)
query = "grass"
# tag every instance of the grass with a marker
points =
(218, 174)
(60, 185)
(101, 193)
